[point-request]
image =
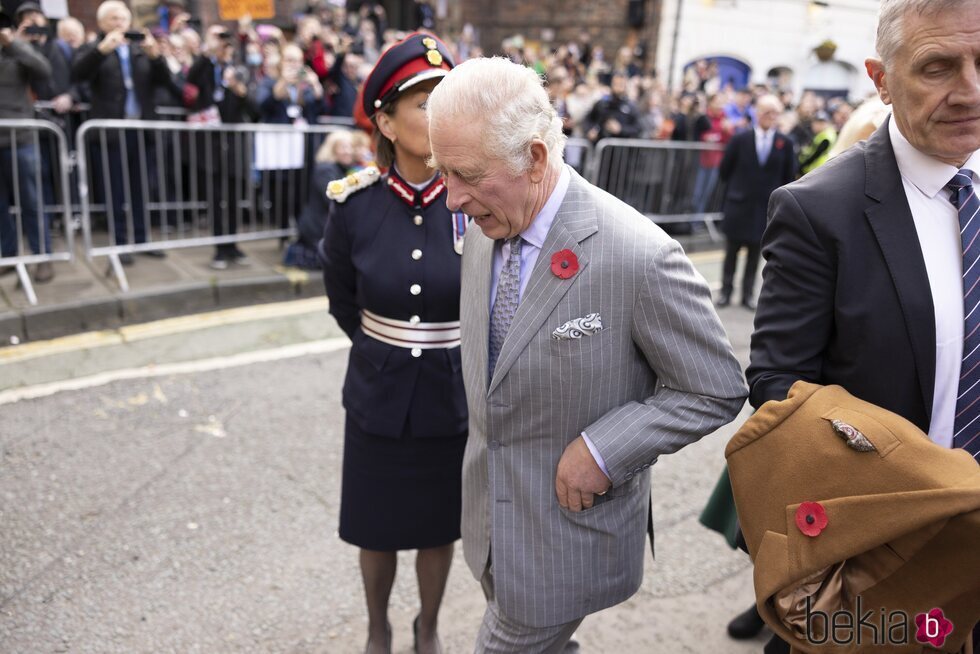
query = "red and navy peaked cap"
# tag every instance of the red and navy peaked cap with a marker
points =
(416, 58)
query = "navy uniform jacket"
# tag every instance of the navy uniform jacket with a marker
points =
(367, 256)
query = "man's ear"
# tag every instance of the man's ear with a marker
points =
(876, 71)
(539, 160)
(384, 124)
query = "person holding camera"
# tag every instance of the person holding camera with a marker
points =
(293, 96)
(20, 67)
(123, 68)
(222, 96)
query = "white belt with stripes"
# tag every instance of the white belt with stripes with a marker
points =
(402, 333)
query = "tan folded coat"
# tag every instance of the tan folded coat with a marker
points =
(902, 527)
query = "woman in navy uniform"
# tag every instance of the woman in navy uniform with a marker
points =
(391, 261)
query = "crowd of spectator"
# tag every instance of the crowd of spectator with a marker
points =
(310, 73)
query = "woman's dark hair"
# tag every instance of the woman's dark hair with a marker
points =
(384, 148)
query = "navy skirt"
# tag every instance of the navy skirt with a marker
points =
(400, 493)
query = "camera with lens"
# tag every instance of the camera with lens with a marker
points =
(135, 36)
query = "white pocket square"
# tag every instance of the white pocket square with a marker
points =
(587, 326)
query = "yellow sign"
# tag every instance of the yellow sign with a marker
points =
(257, 9)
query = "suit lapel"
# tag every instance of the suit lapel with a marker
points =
(475, 301)
(891, 221)
(576, 220)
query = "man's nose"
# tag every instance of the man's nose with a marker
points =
(455, 198)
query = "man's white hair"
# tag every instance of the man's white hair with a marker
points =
(508, 102)
(108, 6)
(892, 15)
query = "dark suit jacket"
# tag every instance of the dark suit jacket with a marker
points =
(845, 298)
(750, 185)
(105, 78)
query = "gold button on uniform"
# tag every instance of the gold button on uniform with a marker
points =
(416, 352)
(415, 289)
(417, 220)
(416, 254)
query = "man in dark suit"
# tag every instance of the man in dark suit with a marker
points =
(870, 280)
(122, 71)
(756, 162)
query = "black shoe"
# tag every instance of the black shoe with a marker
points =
(723, 300)
(746, 625)
(155, 254)
(126, 259)
(749, 304)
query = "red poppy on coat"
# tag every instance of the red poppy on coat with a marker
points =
(564, 264)
(811, 518)
(779, 144)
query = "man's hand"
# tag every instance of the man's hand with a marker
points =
(62, 103)
(613, 126)
(112, 40)
(6, 37)
(579, 477)
(150, 46)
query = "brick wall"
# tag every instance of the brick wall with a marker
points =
(606, 21)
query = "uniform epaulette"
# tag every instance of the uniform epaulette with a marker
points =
(339, 189)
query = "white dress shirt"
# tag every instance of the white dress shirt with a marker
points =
(938, 228)
(763, 143)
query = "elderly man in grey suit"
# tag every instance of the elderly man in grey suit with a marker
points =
(589, 348)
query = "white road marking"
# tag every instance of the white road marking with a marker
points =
(163, 370)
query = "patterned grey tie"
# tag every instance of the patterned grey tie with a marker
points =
(506, 301)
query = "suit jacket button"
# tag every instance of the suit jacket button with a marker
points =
(415, 289)
(494, 445)
(416, 352)
(629, 475)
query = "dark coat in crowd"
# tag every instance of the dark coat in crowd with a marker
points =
(314, 215)
(750, 184)
(105, 77)
(20, 67)
(619, 109)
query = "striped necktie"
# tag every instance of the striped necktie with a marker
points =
(505, 303)
(966, 426)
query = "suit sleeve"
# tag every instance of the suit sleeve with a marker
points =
(789, 165)
(339, 274)
(699, 382)
(728, 160)
(32, 61)
(85, 65)
(794, 320)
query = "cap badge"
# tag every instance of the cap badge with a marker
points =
(855, 439)
(434, 57)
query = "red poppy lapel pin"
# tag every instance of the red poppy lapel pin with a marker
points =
(811, 518)
(779, 144)
(564, 264)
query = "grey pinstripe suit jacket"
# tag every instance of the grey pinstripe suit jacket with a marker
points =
(660, 374)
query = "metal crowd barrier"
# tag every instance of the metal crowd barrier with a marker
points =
(164, 185)
(578, 154)
(671, 182)
(34, 192)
